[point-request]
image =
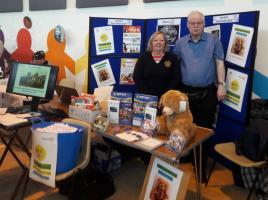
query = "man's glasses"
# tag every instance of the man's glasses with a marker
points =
(196, 23)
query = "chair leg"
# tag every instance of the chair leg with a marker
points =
(210, 171)
(108, 159)
(254, 183)
(72, 184)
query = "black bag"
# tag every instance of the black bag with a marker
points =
(259, 108)
(90, 184)
(253, 143)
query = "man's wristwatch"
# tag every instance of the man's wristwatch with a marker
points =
(221, 83)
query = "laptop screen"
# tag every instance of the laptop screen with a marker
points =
(65, 93)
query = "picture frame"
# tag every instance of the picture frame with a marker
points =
(164, 180)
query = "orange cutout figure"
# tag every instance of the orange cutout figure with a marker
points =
(56, 56)
(23, 53)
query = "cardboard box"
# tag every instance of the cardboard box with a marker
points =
(83, 114)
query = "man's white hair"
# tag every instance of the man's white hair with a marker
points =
(194, 12)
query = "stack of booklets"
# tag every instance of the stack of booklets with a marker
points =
(140, 139)
(139, 105)
(125, 106)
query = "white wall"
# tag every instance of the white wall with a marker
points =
(75, 21)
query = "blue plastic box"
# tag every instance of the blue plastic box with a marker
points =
(69, 145)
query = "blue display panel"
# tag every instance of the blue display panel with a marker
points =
(228, 118)
(114, 58)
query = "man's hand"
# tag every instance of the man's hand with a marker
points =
(221, 93)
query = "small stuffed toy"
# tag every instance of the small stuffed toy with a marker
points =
(177, 119)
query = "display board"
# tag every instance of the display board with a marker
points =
(238, 33)
(114, 52)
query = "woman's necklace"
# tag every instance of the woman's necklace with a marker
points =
(157, 56)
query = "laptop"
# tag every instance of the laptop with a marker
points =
(65, 93)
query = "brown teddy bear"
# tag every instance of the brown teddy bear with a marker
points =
(177, 118)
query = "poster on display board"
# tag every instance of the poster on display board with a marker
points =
(171, 28)
(215, 30)
(235, 89)
(103, 73)
(126, 71)
(104, 40)
(131, 39)
(239, 44)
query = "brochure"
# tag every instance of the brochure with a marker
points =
(113, 111)
(122, 96)
(150, 143)
(132, 136)
(125, 113)
(140, 102)
(239, 44)
(125, 109)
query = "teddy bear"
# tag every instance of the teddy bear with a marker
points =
(176, 118)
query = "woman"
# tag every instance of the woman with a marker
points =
(157, 70)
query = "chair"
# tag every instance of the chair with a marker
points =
(84, 155)
(227, 150)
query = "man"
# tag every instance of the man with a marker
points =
(203, 72)
(39, 58)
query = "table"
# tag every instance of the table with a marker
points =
(201, 135)
(8, 134)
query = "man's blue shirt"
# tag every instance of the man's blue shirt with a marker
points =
(198, 59)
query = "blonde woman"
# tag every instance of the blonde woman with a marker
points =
(157, 70)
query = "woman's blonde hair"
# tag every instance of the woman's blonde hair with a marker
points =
(150, 42)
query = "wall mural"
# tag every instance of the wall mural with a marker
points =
(4, 56)
(81, 70)
(23, 53)
(56, 56)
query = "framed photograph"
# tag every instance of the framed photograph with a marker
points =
(164, 181)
